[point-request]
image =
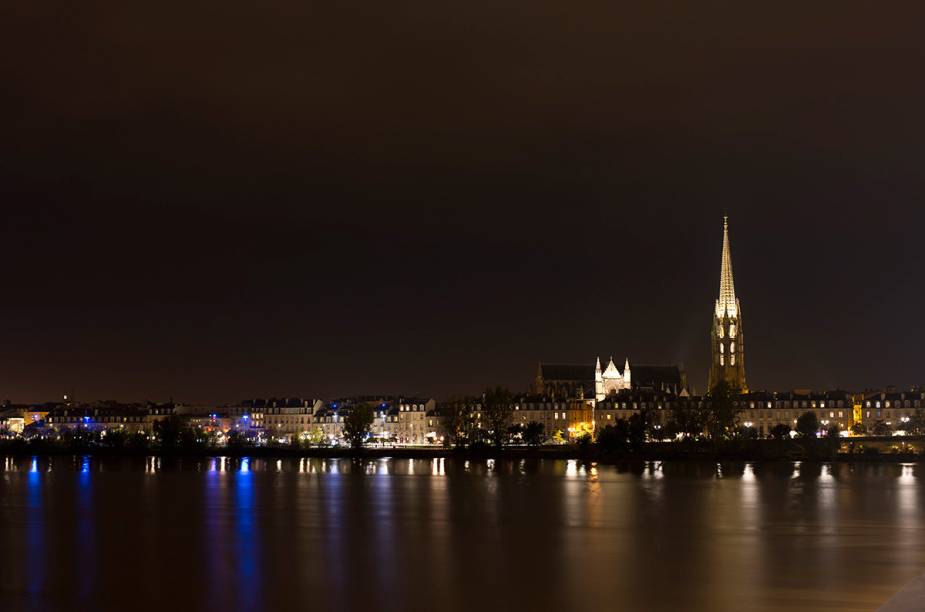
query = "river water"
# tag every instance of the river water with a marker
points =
(87, 533)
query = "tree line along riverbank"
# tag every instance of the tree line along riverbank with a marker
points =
(873, 449)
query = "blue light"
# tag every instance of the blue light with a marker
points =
(246, 465)
(34, 468)
(86, 419)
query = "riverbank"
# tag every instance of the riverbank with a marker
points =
(877, 450)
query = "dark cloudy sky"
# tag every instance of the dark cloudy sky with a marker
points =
(215, 200)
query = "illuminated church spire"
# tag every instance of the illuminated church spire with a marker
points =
(727, 302)
(726, 340)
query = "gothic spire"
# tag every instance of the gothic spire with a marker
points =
(726, 304)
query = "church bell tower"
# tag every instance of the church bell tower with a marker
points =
(727, 340)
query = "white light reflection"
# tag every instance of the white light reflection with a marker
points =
(827, 487)
(571, 468)
(653, 471)
(907, 490)
(750, 494)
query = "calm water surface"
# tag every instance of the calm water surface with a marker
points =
(81, 533)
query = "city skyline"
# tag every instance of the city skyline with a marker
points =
(400, 305)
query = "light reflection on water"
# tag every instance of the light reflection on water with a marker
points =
(35, 530)
(254, 533)
(86, 530)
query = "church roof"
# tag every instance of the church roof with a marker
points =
(655, 376)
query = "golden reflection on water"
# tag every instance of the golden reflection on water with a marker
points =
(649, 535)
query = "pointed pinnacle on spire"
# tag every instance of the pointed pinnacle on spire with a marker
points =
(726, 305)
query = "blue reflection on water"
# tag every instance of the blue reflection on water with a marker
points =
(245, 521)
(216, 550)
(86, 540)
(35, 534)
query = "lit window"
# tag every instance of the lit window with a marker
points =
(722, 347)
(732, 347)
(721, 332)
(721, 360)
(732, 330)
(732, 360)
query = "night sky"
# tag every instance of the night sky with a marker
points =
(218, 200)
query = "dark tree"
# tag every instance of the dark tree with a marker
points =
(639, 424)
(916, 424)
(116, 438)
(238, 439)
(457, 420)
(496, 411)
(723, 411)
(690, 419)
(357, 423)
(614, 438)
(168, 431)
(808, 424)
(534, 433)
(881, 429)
(137, 440)
(781, 431)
